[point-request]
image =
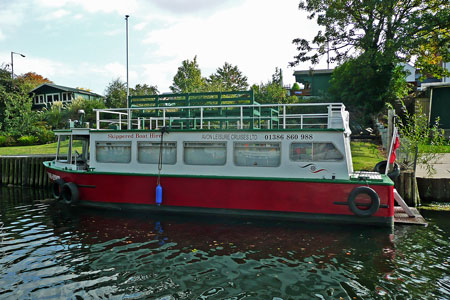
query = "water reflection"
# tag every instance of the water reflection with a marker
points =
(52, 251)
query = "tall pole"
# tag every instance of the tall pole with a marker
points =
(128, 85)
(12, 62)
(12, 66)
(128, 89)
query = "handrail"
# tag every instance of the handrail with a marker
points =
(243, 115)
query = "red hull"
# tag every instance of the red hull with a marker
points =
(232, 194)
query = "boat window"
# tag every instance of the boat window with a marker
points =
(113, 152)
(202, 153)
(63, 148)
(148, 152)
(257, 154)
(314, 152)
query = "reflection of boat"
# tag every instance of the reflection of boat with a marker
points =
(235, 159)
(257, 239)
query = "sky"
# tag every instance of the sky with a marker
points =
(82, 43)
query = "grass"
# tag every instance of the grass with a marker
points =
(365, 155)
(36, 149)
(440, 149)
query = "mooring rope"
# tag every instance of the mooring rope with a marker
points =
(163, 130)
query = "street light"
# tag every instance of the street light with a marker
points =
(128, 89)
(12, 62)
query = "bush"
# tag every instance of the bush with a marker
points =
(27, 140)
(6, 140)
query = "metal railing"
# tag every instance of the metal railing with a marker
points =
(250, 116)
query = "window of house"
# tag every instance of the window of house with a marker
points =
(148, 152)
(113, 152)
(202, 153)
(314, 152)
(66, 96)
(38, 99)
(257, 154)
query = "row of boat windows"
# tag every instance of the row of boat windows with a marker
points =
(215, 153)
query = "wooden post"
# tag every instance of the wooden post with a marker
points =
(2, 161)
(31, 178)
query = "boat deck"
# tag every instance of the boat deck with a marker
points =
(400, 217)
(226, 110)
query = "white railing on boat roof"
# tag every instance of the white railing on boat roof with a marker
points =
(234, 116)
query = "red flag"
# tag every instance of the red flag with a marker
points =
(394, 147)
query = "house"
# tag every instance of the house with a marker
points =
(47, 93)
(316, 82)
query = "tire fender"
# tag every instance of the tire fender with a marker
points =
(374, 201)
(57, 186)
(70, 193)
(381, 168)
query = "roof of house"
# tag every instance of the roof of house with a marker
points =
(67, 89)
(425, 86)
(312, 71)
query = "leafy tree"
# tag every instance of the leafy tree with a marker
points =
(227, 78)
(272, 91)
(116, 94)
(144, 89)
(32, 80)
(188, 78)
(376, 36)
(16, 118)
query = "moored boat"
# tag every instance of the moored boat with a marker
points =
(221, 153)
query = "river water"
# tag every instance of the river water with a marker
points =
(49, 251)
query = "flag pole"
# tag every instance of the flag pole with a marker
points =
(394, 136)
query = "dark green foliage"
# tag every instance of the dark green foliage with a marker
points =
(227, 78)
(144, 89)
(116, 94)
(370, 38)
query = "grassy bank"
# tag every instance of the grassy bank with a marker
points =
(365, 155)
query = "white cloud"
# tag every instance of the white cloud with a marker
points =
(140, 26)
(105, 6)
(2, 36)
(256, 42)
(60, 13)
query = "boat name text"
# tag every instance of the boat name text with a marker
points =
(134, 135)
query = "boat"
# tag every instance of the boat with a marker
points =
(220, 153)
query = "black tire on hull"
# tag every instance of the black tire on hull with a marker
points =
(70, 193)
(381, 168)
(374, 203)
(57, 186)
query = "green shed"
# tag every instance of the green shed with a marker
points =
(439, 103)
(316, 82)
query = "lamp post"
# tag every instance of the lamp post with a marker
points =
(12, 62)
(128, 86)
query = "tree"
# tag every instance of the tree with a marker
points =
(374, 35)
(32, 80)
(227, 78)
(144, 89)
(188, 78)
(116, 94)
(272, 91)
